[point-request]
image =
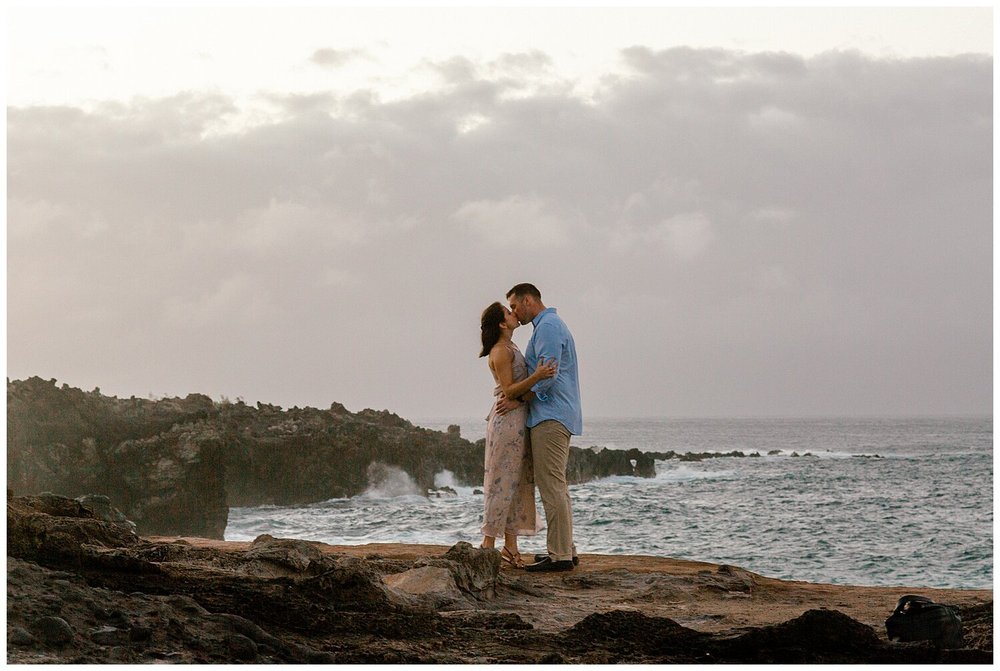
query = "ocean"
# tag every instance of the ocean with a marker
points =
(878, 501)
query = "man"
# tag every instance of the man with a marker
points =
(554, 415)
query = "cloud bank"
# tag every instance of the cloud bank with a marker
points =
(726, 233)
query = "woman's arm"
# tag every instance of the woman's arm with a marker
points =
(502, 362)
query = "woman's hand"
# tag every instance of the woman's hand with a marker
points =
(546, 370)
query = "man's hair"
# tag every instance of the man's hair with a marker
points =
(525, 289)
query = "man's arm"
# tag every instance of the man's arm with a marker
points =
(505, 405)
(548, 347)
(502, 359)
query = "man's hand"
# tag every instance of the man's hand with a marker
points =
(505, 405)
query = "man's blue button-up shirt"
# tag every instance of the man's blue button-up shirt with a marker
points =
(556, 397)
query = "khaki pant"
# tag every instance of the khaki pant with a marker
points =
(550, 454)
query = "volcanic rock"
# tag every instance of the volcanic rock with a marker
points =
(100, 507)
(175, 465)
(292, 554)
(242, 648)
(20, 637)
(816, 636)
(636, 635)
(59, 531)
(433, 583)
(107, 635)
(203, 601)
(464, 574)
(53, 630)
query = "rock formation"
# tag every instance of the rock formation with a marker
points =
(84, 590)
(159, 460)
(175, 466)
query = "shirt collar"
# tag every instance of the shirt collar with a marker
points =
(538, 317)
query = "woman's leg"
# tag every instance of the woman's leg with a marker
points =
(504, 450)
(509, 553)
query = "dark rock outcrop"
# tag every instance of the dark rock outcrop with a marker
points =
(823, 636)
(588, 464)
(307, 455)
(100, 507)
(828, 636)
(60, 530)
(633, 637)
(50, 428)
(175, 466)
(176, 475)
(165, 478)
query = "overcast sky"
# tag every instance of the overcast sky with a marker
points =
(737, 212)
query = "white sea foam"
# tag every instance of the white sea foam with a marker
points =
(446, 478)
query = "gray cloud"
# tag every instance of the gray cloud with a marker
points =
(726, 233)
(523, 63)
(335, 58)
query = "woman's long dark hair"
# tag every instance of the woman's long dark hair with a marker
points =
(493, 316)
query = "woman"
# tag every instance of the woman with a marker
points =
(509, 483)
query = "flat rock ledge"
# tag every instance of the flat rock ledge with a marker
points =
(86, 590)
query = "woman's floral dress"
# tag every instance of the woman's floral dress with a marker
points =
(509, 484)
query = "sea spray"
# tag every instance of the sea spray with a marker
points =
(386, 482)
(445, 480)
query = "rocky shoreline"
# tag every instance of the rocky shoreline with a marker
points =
(176, 465)
(82, 587)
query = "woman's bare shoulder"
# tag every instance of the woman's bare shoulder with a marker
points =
(501, 352)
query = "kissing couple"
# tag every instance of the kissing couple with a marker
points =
(536, 409)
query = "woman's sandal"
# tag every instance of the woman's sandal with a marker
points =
(513, 559)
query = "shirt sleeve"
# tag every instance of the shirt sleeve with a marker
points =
(548, 346)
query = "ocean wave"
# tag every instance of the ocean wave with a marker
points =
(778, 454)
(390, 496)
(263, 506)
(447, 479)
(664, 473)
(684, 472)
(827, 454)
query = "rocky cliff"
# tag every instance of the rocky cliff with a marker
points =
(175, 466)
(161, 461)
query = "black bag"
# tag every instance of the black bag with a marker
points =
(917, 618)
